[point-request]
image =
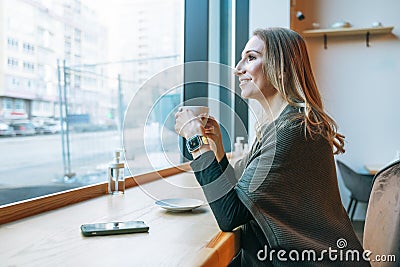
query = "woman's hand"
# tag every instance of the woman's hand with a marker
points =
(213, 132)
(187, 124)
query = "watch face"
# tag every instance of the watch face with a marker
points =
(193, 143)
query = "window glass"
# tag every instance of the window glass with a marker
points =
(28, 48)
(19, 104)
(29, 66)
(12, 62)
(79, 65)
(7, 104)
(12, 43)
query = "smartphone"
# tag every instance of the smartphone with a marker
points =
(114, 228)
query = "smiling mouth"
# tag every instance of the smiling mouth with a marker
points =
(244, 81)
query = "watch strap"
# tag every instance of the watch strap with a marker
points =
(204, 140)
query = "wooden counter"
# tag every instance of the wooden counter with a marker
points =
(53, 238)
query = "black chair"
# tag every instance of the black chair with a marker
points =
(360, 186)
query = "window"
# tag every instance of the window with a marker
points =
(41, 109)
(77, 6)
(77, 35)
(77, 81)
(94, 112)
(28, 48)
(12, 62)
(102, 72)
(29, 66)
(92, 115)
(29, 84)
(7, 104)
(12, 43)
(15, 81)
(19, 105)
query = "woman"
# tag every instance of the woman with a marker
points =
(285, 195)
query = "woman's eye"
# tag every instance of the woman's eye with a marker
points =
(250, 57)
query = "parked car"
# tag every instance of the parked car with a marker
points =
(23, 128)
(6, 130)
(51, 127)
(39, 128)
(46, 125)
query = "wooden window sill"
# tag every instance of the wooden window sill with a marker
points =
(22, 209)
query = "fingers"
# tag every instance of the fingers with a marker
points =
(180, 109)
(187, 125)
(209, 130)
(185, 120)
(208, 117)
(210, 121)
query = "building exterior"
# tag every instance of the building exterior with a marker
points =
(34, 35)
(150, 39)
(145, 37)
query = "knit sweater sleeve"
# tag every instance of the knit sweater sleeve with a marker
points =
(228, 209)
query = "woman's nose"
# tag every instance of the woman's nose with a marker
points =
(239, 69)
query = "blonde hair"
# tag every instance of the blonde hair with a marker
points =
(288, 68)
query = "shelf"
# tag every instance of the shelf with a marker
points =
(346, 32)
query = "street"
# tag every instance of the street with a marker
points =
(37, 160)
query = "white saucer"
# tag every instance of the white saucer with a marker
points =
(179, 204)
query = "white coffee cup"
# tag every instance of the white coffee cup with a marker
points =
(199, 110)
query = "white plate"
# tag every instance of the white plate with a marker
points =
(179, 204)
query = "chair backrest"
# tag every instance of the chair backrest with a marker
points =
(359, 184)
(382, 223)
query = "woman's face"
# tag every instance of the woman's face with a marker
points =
(252, 80)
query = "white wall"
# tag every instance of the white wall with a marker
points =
(359, 84)
(269, 13)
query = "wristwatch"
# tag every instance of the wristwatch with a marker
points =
(195, 142)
